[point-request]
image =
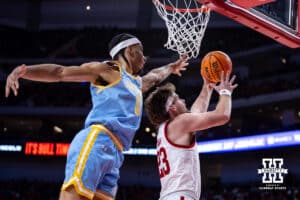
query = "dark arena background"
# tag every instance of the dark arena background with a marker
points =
(37, 126)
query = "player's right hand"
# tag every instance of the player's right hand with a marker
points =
(12, 81)
(180, 65)
(225, 83)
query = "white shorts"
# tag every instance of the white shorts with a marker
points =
(179, 196)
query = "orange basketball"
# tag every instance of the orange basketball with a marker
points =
(213, 64)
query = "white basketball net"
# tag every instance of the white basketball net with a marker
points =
(186, 25)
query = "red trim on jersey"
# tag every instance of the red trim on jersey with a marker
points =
(177, 145)
(181, 198)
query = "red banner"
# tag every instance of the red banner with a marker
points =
(46, 148)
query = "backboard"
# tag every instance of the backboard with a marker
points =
(278, 20)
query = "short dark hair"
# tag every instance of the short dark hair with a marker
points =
(155, 104)
(116, 40)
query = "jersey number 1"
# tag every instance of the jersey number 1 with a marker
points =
(163, 163)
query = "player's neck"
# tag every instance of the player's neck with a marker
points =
(126, 66)
(172, 116)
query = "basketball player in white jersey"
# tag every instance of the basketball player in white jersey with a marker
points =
(177, 154)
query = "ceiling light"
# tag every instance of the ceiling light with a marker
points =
(283, 60)
(57, 129)
(153, 135)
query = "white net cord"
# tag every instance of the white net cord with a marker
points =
(186, 24)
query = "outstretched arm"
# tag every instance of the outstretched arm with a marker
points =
(55, 73)
(157, 75)
(191, 122)
(201, 103)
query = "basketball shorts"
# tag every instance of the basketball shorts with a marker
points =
(93, 162)
(179, 196)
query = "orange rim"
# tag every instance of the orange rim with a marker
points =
(182, 10)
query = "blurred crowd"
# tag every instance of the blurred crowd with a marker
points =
(92, 42)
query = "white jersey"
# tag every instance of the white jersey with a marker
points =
(179, 167)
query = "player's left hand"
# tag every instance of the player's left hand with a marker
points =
(208, 85)
(12, 81)
(180, 65)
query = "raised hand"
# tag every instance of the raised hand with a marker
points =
(12, 81)
(179, 65)
(225, 83)
(208, 85)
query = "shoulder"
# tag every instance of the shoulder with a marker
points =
(182, 122)
(100, 67)
(184, 117)
(95, 65)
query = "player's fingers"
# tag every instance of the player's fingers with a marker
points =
(232, 79)
(211, 85)
(184, 57)
(184, 64)
(181, 63)
(17, 84)
(234, 86)
(214, 86)
(227, 77)
(222, 76)
(7, 90)
(13, 88)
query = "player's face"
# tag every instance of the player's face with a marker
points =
(138, 58)
(179, 104)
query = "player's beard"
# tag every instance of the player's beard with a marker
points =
(138, 70)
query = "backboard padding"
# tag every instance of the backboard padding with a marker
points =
(260, 22)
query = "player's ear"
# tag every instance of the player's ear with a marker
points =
(129, 51)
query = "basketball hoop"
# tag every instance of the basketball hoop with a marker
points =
(186, 21)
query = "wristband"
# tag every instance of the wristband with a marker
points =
(224, 92)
